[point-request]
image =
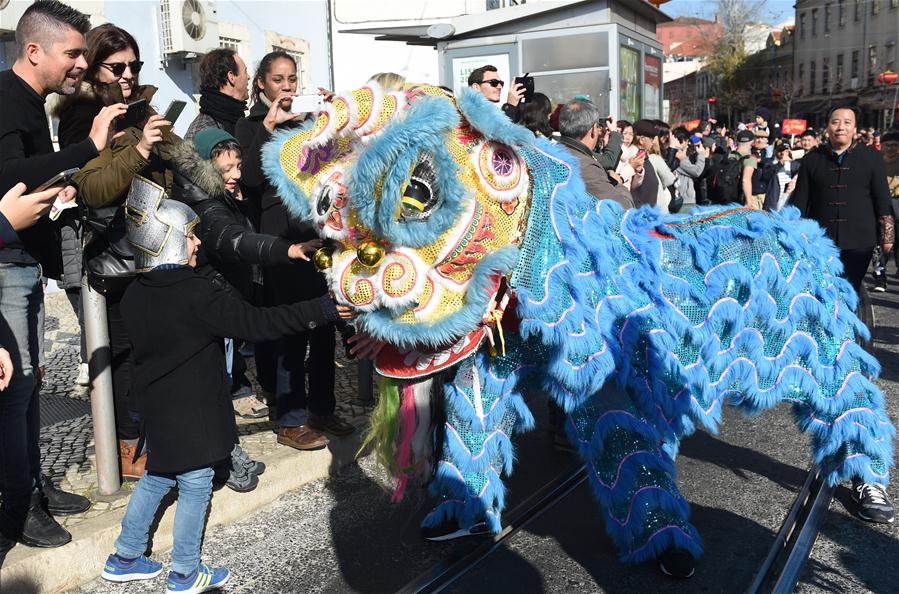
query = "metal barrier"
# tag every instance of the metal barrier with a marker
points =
(106, 444)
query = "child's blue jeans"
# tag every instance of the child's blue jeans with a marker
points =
(194, 490)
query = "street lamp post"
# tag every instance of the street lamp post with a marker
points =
(889, 78)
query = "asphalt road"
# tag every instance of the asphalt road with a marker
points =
(343, 535)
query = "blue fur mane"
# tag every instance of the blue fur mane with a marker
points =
(386, 164)
(490, 121)
(681, 311)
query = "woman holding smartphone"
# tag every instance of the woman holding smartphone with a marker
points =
(145, 149)
(302, 418)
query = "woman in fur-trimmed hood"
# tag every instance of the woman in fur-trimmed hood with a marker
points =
(207, 178)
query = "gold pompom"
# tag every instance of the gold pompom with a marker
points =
(322, 259)
(370, 254)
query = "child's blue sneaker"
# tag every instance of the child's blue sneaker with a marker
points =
(119, 570)
(203, 579)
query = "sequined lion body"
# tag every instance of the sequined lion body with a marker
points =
(475, 252)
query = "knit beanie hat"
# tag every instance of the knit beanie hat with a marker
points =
(206, 139)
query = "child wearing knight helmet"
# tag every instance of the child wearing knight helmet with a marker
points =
(177, 320)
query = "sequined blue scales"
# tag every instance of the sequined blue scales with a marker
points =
(649, 324)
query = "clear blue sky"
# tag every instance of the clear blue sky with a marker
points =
(774, 12)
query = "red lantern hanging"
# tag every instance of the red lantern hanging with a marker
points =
(887, 78)
(713, 100)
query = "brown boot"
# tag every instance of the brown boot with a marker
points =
(301, 438)
(132, 469)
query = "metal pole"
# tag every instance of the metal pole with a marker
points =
(106, 445)
(893, 106)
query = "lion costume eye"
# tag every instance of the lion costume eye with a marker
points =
(421, 195)
(325, 198)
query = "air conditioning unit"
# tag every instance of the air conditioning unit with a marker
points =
(10, 13)
(188, 26)
(853, 84)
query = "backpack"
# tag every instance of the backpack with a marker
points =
(725, 181)
(765, 170)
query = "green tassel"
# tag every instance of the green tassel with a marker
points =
(384, 425)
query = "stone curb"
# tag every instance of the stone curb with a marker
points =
(30, 570)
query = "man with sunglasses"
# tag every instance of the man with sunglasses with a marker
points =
(486, 81)
(50, 43)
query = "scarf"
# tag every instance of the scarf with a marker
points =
(223, 109)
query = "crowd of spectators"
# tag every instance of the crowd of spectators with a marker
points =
(245, 244)
(752, 165)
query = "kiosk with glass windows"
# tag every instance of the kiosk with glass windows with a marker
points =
(604, 49)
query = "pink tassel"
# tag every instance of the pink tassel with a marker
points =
(407, 431)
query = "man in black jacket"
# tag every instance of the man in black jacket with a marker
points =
(842, 185)
(223, 92)
(50, 43)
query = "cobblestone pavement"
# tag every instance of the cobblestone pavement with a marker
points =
(67, 451)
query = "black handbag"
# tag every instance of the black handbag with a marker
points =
(108, 257)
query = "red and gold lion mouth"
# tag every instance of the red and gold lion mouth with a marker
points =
(413, 362)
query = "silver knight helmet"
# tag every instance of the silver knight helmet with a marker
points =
(157, 227)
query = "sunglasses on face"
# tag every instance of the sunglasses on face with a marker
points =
(118, 68)
(493, 82)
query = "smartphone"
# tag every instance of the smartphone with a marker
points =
(528, 82)
(307, 103)
(134, 117)
(641, 154)
(62, 179)
(173, 112)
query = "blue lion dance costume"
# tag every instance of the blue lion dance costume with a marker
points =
(640, 326)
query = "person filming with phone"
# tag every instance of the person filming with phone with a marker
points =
(486, 81)
(111, 78)
(50, 58)
(303, 417)
(143, 146)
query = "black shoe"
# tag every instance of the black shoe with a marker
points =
(33, 526)
(450, 530)
(873, 503)
(677, 563)
(880, 283)
(61, 503)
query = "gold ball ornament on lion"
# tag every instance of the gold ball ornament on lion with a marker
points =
(370, 254)
(322, 259)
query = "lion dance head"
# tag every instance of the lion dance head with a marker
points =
(424, 199)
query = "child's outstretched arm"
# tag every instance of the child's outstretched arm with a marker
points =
(227, 316)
